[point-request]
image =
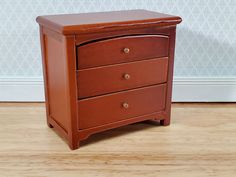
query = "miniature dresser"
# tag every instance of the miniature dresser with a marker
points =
(105, 70)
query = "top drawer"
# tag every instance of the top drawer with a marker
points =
(122, 49)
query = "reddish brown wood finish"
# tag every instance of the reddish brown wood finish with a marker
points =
(106, 21)
(78, 68)
(112, 51)
(113, 78)
(102, 110)
(60, 84)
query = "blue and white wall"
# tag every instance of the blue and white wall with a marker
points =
(205, 67)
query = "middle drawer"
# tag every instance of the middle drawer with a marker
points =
(108, 79)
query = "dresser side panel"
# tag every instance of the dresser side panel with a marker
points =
(56, 81)
(167, 116)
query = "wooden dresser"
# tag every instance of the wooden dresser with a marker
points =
(105, 70)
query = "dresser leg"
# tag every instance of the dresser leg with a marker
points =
(74, 145)
(165, 122)
(49, 125)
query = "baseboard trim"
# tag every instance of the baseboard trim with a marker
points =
(21, 90)
(204, 89)
(184, 89)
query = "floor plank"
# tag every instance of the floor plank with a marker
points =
(201, 141)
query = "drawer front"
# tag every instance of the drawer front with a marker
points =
(102, 110)
(122, 49)
(103, 80)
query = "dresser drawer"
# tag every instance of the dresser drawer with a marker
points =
(122, 105)
(112, 78)
(122, 49)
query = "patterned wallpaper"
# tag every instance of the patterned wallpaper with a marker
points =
(206, 40)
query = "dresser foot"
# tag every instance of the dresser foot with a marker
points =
(74, 145)
(49, 125)
(165, 122)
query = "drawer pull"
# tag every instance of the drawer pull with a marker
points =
(126, 76)
(126, 50)
(125, 105)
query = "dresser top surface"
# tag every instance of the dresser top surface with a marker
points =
(88, 22)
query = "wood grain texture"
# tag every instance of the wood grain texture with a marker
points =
(201, 141)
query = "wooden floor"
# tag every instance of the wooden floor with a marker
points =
(201, 141)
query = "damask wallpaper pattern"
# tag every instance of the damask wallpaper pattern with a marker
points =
(205, 45)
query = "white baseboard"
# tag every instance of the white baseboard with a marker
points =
(184, 90)
(204, 90)
(21, 90)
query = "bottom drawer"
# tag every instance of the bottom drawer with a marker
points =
(122, 105)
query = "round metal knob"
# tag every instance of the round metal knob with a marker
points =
(125, 105)
(126, 76)
(126, 50)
